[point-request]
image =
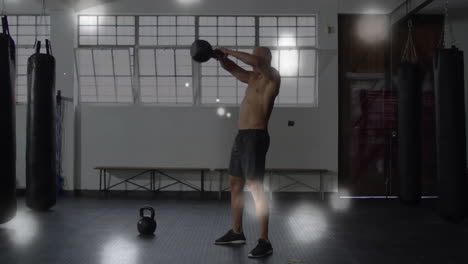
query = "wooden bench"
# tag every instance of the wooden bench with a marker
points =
(105, 181)
(281, 172)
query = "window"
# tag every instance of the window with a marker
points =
(105, 75)
(293, 44)
(166, 30)
(165, 76)
(163, 68)
(25, 30)
(287, 31)
(298, 76)
(163, 64)
(107, 30)
(293, 41)
(228, 31)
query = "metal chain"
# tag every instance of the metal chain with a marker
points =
(3, 7)
(449, 25)
(410, 53)
(43, 7)
(43, 13)
(447, 30)
(41, 22)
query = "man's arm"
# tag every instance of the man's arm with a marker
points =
(246, 58)
(249, 59)
(241, 74)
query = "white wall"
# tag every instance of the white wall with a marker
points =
(190, 138)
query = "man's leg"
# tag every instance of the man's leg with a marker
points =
(237, 202)
(261, 206)
(236, 234)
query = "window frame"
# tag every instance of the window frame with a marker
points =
(197, 68)
(176, 76)
(114, 75)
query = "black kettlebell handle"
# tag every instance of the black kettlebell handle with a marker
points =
(147, 208)
(217, 53)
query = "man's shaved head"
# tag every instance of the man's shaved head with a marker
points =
(263, 52)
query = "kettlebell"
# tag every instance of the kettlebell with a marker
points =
(147, 224)
(201, 51)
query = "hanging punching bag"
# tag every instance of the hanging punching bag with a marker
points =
(450, 134)
(40, 143)
(7, 125)
(409, 132)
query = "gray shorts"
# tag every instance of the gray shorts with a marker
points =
(249, 153)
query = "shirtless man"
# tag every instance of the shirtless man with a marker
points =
(247, 164)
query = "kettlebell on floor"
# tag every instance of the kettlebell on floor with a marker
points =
(147, 224)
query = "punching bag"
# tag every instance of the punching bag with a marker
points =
(40, 142)
(450, 134)
(409, 132)
(7, 125)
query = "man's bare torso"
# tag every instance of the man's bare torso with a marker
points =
(257, 105)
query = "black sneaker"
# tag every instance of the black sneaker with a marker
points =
(262, 249)
(231, 238)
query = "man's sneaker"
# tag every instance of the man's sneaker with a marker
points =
(262, 249)
(231, 238)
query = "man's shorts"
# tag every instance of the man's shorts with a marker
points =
(249, 153)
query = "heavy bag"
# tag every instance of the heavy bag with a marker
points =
(450, 134)
(409, 132)
(7, 125)
(40, 142)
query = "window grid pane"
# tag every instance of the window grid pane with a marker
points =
(165, 76)
(166, 30)
(106, 30)
(105, 75)
(288, 31)
(297, 68)
(228, 31)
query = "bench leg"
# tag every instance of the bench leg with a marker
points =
(220, 186)
(322, 191)
(100, 180)
(105, 180)
(202, 176)
(154, 180)
(151, 182)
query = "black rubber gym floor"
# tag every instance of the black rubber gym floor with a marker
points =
(97, 230)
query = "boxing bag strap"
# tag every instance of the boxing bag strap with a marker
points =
(6, 28)
(38, 47)
(59, 97)
(48, 47)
